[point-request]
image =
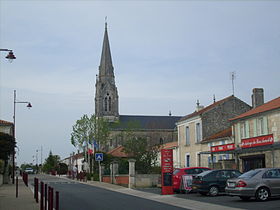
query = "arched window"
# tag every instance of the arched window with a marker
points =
(105, 104)
(110, 104)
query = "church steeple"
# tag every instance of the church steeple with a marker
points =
(106, 65)
(106, 96)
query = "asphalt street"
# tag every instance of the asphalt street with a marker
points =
(224, 200)
(76, 196)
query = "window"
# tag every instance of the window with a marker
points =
(198, 132)
(187, 135)
(260, 126)
(244, 130)
(105, 104)
(187, 160)
(274, 173)
(110, 104)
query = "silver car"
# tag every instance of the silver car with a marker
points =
(260, 183)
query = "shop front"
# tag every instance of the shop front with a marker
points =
(258, 152)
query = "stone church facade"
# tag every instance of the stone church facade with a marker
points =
(157, 129)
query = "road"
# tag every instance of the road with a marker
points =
(76, 196)
(227, 201)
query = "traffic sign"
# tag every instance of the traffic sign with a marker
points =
(98, 156)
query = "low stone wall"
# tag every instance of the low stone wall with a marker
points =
(142, 180)
(120, 179)
(146, 180)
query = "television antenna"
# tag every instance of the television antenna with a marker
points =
(232, 77)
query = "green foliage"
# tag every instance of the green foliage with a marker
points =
(62, 168)
(7, 144)
(88, 128)
(51, 163)
(145, 155)
(2, 165)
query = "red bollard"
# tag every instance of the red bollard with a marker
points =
(16, 186)
(56, 200)
(42, 196)
(36, 187)
(46, 196)
(49, 198)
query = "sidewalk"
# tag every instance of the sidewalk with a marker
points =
(24, 201)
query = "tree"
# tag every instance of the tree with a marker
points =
(7, 144)
(145, 155)
(88, 128)
(51, 163)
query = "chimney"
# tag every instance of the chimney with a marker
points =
(257, 97)
(198, 106)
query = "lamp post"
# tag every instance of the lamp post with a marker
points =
(14, 130)
(10, 55)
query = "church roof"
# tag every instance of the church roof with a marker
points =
(147, 122)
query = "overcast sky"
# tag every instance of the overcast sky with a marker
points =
(166, 55)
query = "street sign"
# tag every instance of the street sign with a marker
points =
(98, 156)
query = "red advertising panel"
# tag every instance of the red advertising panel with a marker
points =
(166, 171)
(221, 148)
(257, 141)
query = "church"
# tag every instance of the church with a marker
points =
(157, 129)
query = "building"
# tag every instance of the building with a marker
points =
(157, 129)
(207, 127)
(6, 128)
(257, 134)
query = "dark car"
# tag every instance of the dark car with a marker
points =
(178, 172)
(260, 183)
(214, 181)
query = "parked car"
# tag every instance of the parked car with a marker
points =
(214, 181)
(29, 170)
(178, 172)
(259, 183)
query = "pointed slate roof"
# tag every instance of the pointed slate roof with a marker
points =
(106, 65)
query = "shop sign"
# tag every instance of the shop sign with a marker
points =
(166, 171)
(222, 148)
(257, 141)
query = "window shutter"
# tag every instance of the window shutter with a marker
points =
(265, 126)
(247, 129)
(255, 128)
(238, 132)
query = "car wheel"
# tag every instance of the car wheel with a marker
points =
(203, 193)
(244, 198)
(262, 194)
(213, 191)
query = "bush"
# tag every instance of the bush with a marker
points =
(2, 164)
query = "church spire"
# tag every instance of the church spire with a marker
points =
(106, 66)
(106, 96)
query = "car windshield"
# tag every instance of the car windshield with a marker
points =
(249, 174)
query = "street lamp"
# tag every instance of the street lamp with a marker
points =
(14, 130)
(10, 55)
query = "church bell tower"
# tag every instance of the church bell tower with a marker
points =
(106, 96)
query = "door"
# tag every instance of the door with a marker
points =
(272, 179)
(222, 177)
